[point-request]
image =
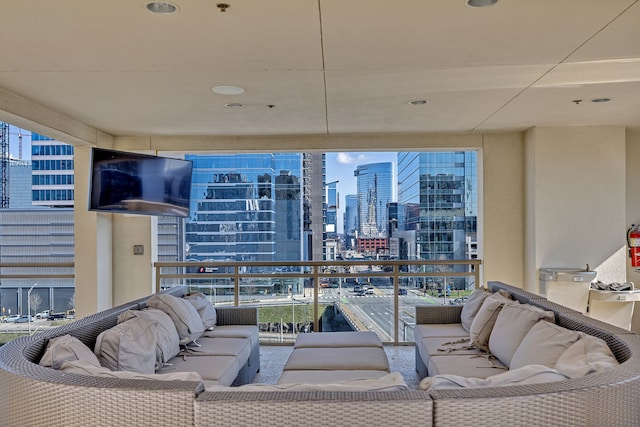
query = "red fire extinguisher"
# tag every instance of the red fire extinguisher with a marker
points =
(633, 241)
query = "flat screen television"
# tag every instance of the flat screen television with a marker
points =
(139, 184)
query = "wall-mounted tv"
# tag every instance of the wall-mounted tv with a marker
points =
(139, 184)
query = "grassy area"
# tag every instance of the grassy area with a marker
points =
(5, 337)
(302, 312)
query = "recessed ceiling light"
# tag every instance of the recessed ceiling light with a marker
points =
(481, 3)
(228, 90)
(161, 7)
(234, 105)
(601, 100)
(419, 102)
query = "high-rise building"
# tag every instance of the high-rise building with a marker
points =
(245, 206)
(437, 196)
(375, 190)
(350, 220)
(36, 236)
(19, 184)
(331, 221)
(52, 172)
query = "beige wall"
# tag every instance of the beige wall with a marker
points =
(133, 275)
(93, 245)
(633, 206)
(501, 234)
(575, 198)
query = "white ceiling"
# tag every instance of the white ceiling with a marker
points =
(326, 66)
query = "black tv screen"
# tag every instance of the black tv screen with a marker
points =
(139, 183)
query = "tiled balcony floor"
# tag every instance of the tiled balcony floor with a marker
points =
(273, 358)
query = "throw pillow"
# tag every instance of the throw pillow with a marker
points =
(471, 307)
(513, 323)
(483, 322)
(128, 346)
(66, 347)
(185, 317)
(588, 355)
(205, 309)
(543, 345)
(167, 339)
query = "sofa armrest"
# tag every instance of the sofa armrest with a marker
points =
(437, 314)
(236, 316)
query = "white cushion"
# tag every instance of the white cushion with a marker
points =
(82, 367)
(484, 320)
(532, 374)
(588, 355)
(65, 348)
(205, 309)
(235, 331)
(465, 365)
(471, 307)
(167, 339)
(543, 345)
(347, 358)
(338, 339)
(389, 382)
(221, 370)
(512, 324)
(128, 346)
(184, 315)
(446, 330)
(324, 377)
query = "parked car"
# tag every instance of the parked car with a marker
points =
(11, 319)
(402, 291)
(71, 314)
(24, 319)
(369, 291)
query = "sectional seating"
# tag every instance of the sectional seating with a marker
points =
(165, 339)
(557, 375)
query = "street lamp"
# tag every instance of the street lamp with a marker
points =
(29, 306)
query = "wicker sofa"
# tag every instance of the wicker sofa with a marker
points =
(34, 395)
(602, 399)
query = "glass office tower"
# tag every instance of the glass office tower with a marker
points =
(52, 172)
(438, 196)
(245, 207)
(375, 189)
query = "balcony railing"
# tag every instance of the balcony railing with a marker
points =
(318, 291)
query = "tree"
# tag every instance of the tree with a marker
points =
(35, 301)
(72, 301)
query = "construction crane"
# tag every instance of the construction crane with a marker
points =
(4, 164)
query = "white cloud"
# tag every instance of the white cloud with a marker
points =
(344, 158)
(349, 159)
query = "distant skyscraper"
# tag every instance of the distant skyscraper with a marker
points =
(331, 221)
(437, 194)
(52, 172)
(19, 184)
(246, 207)
(36, 236)
(375, 190)
(350, 219)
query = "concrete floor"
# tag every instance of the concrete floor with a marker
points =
(273, 358)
